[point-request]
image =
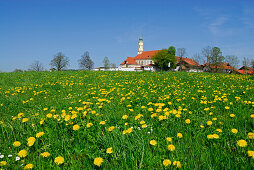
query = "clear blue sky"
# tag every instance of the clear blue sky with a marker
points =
(37, 29)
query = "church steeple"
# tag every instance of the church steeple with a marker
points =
(140, 45)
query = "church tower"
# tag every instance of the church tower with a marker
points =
(140, 45)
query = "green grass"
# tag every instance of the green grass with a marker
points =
(107, 96)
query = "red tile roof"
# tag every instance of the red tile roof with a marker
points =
(245, 71)
(221, 66)
(146, 54)
(129, 60)
(187, 60)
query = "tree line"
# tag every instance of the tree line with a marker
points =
(208, 56)
(61, 62)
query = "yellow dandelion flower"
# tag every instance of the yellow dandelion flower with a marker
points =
(16, 143)
(129, 130)
(109, 150)
(251, 135)
(177, 164)
(42, 121)
(89, 125)
(242, 143)
(98, 161)
(142, 122)
(210, 136)
(251, 154)
(178, 115)
(45, 154)
(102, 123)
(171, 147)
(209, 123)
(153, 142)
(161, 117)
(166, 162)
(179, 135)
(3, 163)
(29, 166)
(232, 115)
(252, 115)
(169, 139)
(22, 153)
(150, 109)
(124, 116)
(218, 130)
(24, 120)
(144, 126)
(215, 136)
(49, 115)
(30, 141)
(59, 160)
(187, 121)
(20, 115)
(76, 127)
(74, 116)
(227, 107)
(234, 130)
(202, 126)
(153, 115)
(40, 134)
(111, 128)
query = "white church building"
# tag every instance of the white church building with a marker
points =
(143, 61)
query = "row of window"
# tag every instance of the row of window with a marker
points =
(146, 62)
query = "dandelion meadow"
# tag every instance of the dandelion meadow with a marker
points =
(126, 120)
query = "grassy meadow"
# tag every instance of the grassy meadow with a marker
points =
(126, 120)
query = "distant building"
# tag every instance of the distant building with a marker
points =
(143, 61)
(222, 67)
(245, 70)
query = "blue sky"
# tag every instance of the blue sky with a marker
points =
(37, 29)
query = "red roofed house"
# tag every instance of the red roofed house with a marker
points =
(143, 61)
(222, 67)
(245, 70)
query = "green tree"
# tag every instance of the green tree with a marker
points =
(216, 58)
(165, 56)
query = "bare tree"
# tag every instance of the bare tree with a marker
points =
(59, 61)
(86, 62)
(181, 52)
(232, 60)
(206, 54)
(252, 63)
(198, 58)
(246, 62)
(106, 63)
(36, 66)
